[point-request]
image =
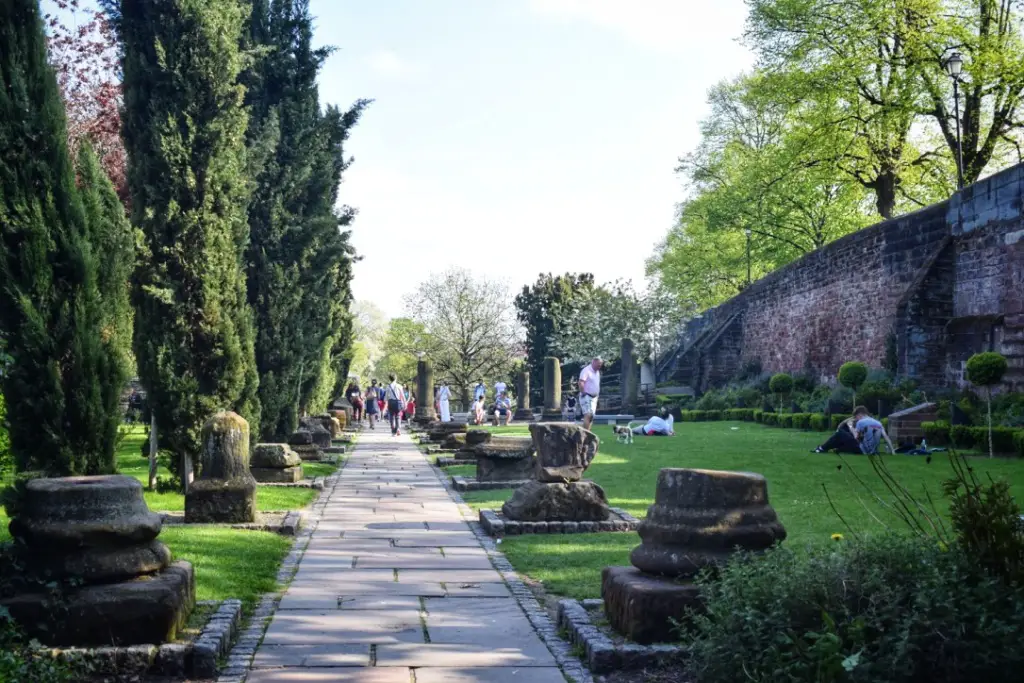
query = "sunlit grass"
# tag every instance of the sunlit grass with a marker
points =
(311, 470)
(797, 481)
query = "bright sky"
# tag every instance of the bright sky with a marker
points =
(516, 137)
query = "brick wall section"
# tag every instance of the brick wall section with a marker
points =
(943, 282)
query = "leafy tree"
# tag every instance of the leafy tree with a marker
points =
(987, 370)
(50, 307)
(369, 329)
(184, 129)
(404, 340)
(780, 384)
(472, 324)
(601, 318)
(541, 309)
(852, 375)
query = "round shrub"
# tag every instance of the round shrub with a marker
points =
(853, 374)
(986, 369)
(781, 383)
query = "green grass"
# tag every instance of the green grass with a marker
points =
(317, 469)
(461, 470)
(131, 462)
(571, 565)
(229, 563)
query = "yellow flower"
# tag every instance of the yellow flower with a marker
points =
(837, 537)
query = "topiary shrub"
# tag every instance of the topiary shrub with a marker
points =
(1000, 439)
(819, 422)
(758, 415)
(770, 419)
(962, 436)
(852, 375)
(887, 608)
(986, 370)
(1018, 443)
(713, 415)
(836, 421)
(781, 384)
(786, 420)
(801, 420)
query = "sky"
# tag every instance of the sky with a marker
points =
(515, 137)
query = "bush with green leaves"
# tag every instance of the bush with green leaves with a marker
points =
(884, 609)
(986, 370)
(1018, 443)
(819, 422)
(781, 384)
(936, 433)
(20, 661)
(853, 374)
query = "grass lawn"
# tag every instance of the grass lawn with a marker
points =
(131, 462)
(571, 565)
(317, 469)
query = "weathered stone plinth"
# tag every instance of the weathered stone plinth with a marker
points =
(698, 520)
(502, 459)
(275, 463)
(523, 412)
(301, 441)
(342, 417)
(221, 501)
(146, 610)
(226, 490)
(320, 434)
(330, 423)
(97, 537)
(578, 501)
(475, 437)
(700, 517)
(645, 605)
(453, 442)
(564, 450)
(439, 431)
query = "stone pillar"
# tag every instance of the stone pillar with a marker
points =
(552, 389)
(523, 412)
(628, 378)
(425, 412)
(225, 491)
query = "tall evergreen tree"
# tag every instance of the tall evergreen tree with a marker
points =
(299, 261)
(112, 240)
(49, 302)
(184, 129)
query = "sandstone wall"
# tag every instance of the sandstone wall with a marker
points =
(923, 291)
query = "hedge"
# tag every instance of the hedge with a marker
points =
(936, 433)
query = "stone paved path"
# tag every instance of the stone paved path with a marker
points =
(395, 588)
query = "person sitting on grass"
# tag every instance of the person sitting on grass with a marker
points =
(658, 425)
(857, 435)
(502, 409)
(477, 411)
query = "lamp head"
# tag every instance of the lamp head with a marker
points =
(954, 65)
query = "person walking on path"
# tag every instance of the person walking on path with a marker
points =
(590, 387)
(394, 395)
(355, 396)
(444, 397)
(371, 405)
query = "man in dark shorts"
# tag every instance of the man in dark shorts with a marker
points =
(502, 409)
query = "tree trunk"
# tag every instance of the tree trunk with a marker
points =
(885, 193)
(990, 449)
(152, 451)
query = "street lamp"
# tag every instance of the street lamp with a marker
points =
(748, 256)
(954, 67)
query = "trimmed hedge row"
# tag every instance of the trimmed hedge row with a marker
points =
(808, 421)
(1005, 440)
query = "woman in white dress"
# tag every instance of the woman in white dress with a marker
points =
(443, 400)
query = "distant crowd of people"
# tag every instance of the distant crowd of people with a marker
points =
(381, 401)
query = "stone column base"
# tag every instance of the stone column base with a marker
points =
(523, 416)
(551, 416)
(642, 606)
(221, 501)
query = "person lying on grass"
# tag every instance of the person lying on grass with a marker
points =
(857, 435)
(658, 425)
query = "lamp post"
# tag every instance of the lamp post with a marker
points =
(954, 67)
(748, 256)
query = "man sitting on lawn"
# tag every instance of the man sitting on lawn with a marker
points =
(477, 411)
(858, 435)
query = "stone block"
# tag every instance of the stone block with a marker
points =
(564, 450)
(145, 610)
(300, 437)
(642, 607)
(276, 455)
(576, 502)
(270, 475)
(219, 501)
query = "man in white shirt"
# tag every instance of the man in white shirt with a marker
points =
(499, 388)
(590, 387)
(479, 390)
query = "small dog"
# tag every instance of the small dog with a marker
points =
(623, 434)
(569, 409)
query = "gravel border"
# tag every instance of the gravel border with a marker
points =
(570, 665)
(495, 524)
(284, 522)
(472, 484)
(602, 654)
(239, 659)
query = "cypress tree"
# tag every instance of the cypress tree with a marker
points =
(296, 252)
(184, 129)
(112, 241)
(49, 302)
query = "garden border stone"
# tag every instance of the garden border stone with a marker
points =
(494, 523)
(471, 484)
(602, 654)
(284, 522)
(452, 462)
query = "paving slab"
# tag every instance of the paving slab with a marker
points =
(394, 587)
